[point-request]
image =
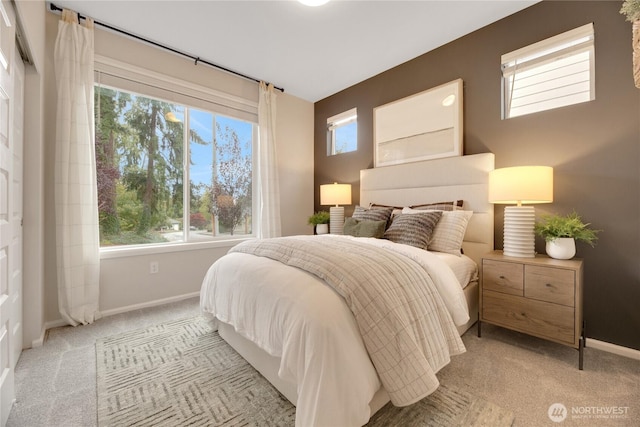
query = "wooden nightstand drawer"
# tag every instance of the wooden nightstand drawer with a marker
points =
(550, 284)
(504, 277)
(538, 296)
(551, 321)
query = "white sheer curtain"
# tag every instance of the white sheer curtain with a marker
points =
(77, 230)
(269, 194)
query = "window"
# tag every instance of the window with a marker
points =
(342, 132)
(553, 73)
(170, 172)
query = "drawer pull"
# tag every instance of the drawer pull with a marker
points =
(549, 285)
(502, 277)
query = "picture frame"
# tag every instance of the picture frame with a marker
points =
(423, 126)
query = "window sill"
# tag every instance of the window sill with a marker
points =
(129, 251)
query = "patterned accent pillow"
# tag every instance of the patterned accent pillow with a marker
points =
(396, 210)
(364, 228)
(449, 232)
(377, 214)
(413, 229)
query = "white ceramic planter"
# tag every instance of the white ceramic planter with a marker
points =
(562, 248)
(322, 228)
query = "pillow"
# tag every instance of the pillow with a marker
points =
(449, 232)
(377, 214)
(377, 206)
(396, 210)
(441, 206)
(413, 229)
(364, 228)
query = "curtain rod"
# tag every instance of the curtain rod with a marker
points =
(196, 59)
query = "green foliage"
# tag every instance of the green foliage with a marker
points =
(321, 217)
(132, 238)
(109, 223)
(140, 154)
(631, 9)
(552, 227)
(129, 208)
(139, 157)
(205, 206)
(108, 108)
(144, 221)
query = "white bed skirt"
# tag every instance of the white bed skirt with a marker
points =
(269, 365)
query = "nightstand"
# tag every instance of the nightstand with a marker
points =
(538, 296)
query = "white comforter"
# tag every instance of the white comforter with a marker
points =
(295, 316)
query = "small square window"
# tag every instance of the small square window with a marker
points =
(552, 73)
(342, 132)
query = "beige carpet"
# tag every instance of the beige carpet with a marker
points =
(182, 373)
(56, 383)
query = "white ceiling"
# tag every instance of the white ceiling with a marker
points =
(310, 52)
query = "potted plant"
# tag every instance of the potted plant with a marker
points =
(560, 233)
(320, 220)
(631, 9)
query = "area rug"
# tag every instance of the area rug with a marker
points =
(182, 373)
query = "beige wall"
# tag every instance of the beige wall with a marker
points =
(32, 16)
(125, 281)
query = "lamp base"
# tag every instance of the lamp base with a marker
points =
(336, 220)
(519, 237)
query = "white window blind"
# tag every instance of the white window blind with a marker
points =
(552, 73)
(112, 73)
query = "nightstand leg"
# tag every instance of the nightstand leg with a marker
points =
(479, 328)
(582, 343)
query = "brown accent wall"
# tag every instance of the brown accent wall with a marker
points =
(594, 147)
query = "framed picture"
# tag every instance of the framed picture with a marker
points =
(427, 125)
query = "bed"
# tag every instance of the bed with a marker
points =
(302, 369)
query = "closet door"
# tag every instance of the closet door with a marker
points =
(17, 139)
(11, 161)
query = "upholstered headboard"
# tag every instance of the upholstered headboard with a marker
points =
(453, 178)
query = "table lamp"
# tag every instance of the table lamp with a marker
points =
(520, 185)
(335, 194)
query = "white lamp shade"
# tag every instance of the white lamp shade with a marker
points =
(521, 185)
(335, 194)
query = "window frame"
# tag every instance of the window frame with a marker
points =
(336, 122)
(154, 85)
(570, 43)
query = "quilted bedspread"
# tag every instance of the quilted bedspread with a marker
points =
(404, 322)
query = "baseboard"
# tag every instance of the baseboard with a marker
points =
(613, 348)
(57, 323)
(591, 342)
(47, 325)
(37, 342)
(148, 304)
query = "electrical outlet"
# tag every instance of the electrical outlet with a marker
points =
(153, 267)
